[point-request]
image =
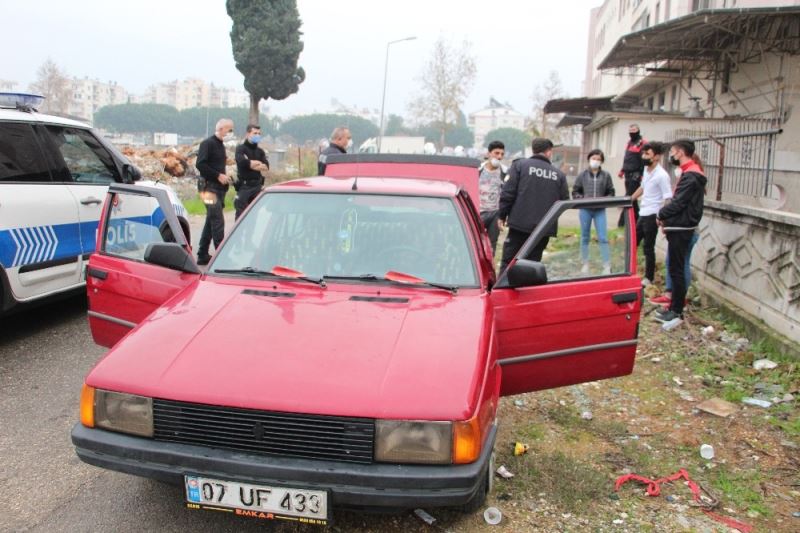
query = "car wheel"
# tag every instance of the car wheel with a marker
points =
(477, 501)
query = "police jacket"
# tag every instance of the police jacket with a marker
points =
(332, 149)
(588, 185)
(533, 186)
(685, 210)
(211, 158)
(245, 153)
(632, 162)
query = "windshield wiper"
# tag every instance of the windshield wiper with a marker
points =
(277, 272)
(397, 277)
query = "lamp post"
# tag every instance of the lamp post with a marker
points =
(383, 99)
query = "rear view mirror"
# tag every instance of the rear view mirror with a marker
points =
(526, 273)
(170, 255)
(130, 173)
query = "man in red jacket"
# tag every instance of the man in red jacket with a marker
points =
(679, 220)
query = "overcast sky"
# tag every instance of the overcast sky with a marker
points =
(516, 43)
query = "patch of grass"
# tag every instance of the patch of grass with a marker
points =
(531, 433)
(733, 394)
(195, 205)
(563, 416)
(790, 426)
(740, 489)
(609, 430)
(566, 481)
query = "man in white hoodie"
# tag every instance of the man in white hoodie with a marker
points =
(490, 184)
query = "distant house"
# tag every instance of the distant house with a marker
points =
(496, 115)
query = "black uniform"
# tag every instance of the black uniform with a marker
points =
(533, 186)
(332, 149)
(632, 170)
(211, 158)
(250, 181)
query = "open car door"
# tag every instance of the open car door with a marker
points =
(574, 316)
(123, 281)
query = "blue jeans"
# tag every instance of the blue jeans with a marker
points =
(599, 217)
(687, 265)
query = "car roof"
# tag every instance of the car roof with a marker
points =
(370, 185)
(17, 115)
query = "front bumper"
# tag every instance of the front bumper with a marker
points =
(374, 485)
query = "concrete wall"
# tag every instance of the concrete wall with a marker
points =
(750, 258)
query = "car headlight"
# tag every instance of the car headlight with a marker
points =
(408, 441)
(116, 411)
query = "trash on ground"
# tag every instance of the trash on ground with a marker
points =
(677, 381)
(520, 448)
(707, 452)
(425, 517)
(717, 407)
(503, 472)
(764, 364)
(587, 415)
(756, 402)
(492, 515)
(707, 331)
(519, 403)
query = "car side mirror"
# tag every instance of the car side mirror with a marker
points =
(526, 273)
(130, 173)
(170, 255)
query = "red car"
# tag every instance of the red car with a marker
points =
(347, 346)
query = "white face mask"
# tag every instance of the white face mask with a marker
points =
(677, 171)
(494, 162)
(228, 137)
(349, 144)
(594, 164)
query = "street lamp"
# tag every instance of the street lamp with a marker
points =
(383, 99)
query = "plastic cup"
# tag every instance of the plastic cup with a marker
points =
(492, 515)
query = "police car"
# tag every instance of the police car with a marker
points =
(54, 175)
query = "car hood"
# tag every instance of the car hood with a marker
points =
(345, 350)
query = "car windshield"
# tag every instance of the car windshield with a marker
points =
(352, 235)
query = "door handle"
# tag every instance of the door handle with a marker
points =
(90, 200)
(624, 297)
(96, 273)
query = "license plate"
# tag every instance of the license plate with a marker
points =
(257, 501)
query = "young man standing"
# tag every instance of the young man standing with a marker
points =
(533, 186)
(679, 220)
(632, 168)
(654, 191)
(490, 184)
(251, 161)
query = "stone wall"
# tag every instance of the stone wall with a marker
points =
(750, 258)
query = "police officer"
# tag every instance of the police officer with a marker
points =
(533, 186)
(251, 161)
(632, 168)
(340, 141)
(213, 186)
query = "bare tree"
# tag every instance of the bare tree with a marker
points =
(446, 80)
(54, 84)
(544, 125)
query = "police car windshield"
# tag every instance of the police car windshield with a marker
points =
(347, 235)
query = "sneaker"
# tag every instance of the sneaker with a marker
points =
(665, 315)
(585, 268)
(663, 299)
(203, 260)
(646, 282)
(606, 269)
(672, 324)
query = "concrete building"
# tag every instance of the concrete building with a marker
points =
(89, 95)
(725, 73)
(194, 92)
(8, 86)
(496, 115)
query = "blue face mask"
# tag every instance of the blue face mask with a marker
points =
(255, 139)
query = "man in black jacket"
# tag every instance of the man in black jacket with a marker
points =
(213, 186)
(533, 186)
(340, 141)
(679, 220)
(632, 168)
(251, 161)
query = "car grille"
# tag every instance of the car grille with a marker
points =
(264, 432)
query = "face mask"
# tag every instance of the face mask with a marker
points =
(677, 171)
(494, 162)
(228, 137)
(646, 161)
(634, 135)
(674, 161)
(349, 144)
(255, 139)
(594, 164)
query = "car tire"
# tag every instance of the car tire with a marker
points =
(478, 500)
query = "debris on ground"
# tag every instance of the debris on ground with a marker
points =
(707, 452)
(764, 364)
(717, 407)
(425, 517)
(492, 516)
(520, 448)
(503, 472)
(756, 402)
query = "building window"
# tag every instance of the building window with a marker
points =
(673, 98)
(658, 12)
(701, 4)
(650, 103)
(662, 100)
(642, 22)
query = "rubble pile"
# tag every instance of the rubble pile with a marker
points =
(174, 162)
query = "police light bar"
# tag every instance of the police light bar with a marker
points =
(21, 100)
